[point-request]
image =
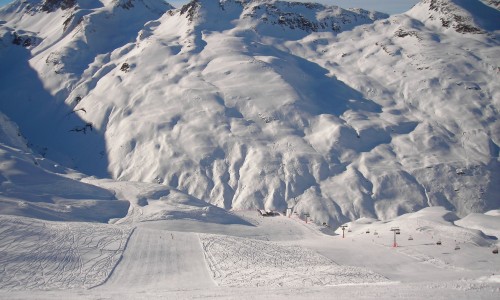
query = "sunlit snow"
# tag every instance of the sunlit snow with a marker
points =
(140, 145)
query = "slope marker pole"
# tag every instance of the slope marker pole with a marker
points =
(343, 230)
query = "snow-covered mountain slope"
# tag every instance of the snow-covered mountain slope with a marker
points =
(440, 84)
(462, 16)
(36, 187)
(47, 46)
(33, 186)
(339, 113)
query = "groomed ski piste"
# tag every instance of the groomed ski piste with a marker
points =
(245, 255)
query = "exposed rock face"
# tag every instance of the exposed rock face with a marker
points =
(190, 9)
(25, 40)
(493, 3)
(463, 16)
(451, 16)
(309, 17)
(52, 5)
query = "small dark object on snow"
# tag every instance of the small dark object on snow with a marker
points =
(438, 243)
(267, 213)
(125, 67)
(495, 251)
(88, 126)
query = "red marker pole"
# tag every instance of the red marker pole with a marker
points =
(396, 231)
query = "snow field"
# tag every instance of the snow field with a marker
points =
(248, 256)
(463, 250)
(161, 259)
(240, 262)
(45, 255)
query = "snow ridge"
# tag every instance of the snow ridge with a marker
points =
(460, 15)
(264, 14)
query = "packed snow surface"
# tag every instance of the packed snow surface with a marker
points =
(245, 262)
(247, 256)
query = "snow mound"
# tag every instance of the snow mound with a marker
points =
(489, 224)
(239, 262)
(435, 223)
(53, 255)
(154, 202)
(495, 212)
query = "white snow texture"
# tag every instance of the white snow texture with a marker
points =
(338, 113)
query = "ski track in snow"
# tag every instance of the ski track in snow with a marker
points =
(48, 255)
(436, 262)
(247, 262)
(161, 259)
(192, 259)
(258, 105)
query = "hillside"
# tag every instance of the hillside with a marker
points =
(338, 113)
